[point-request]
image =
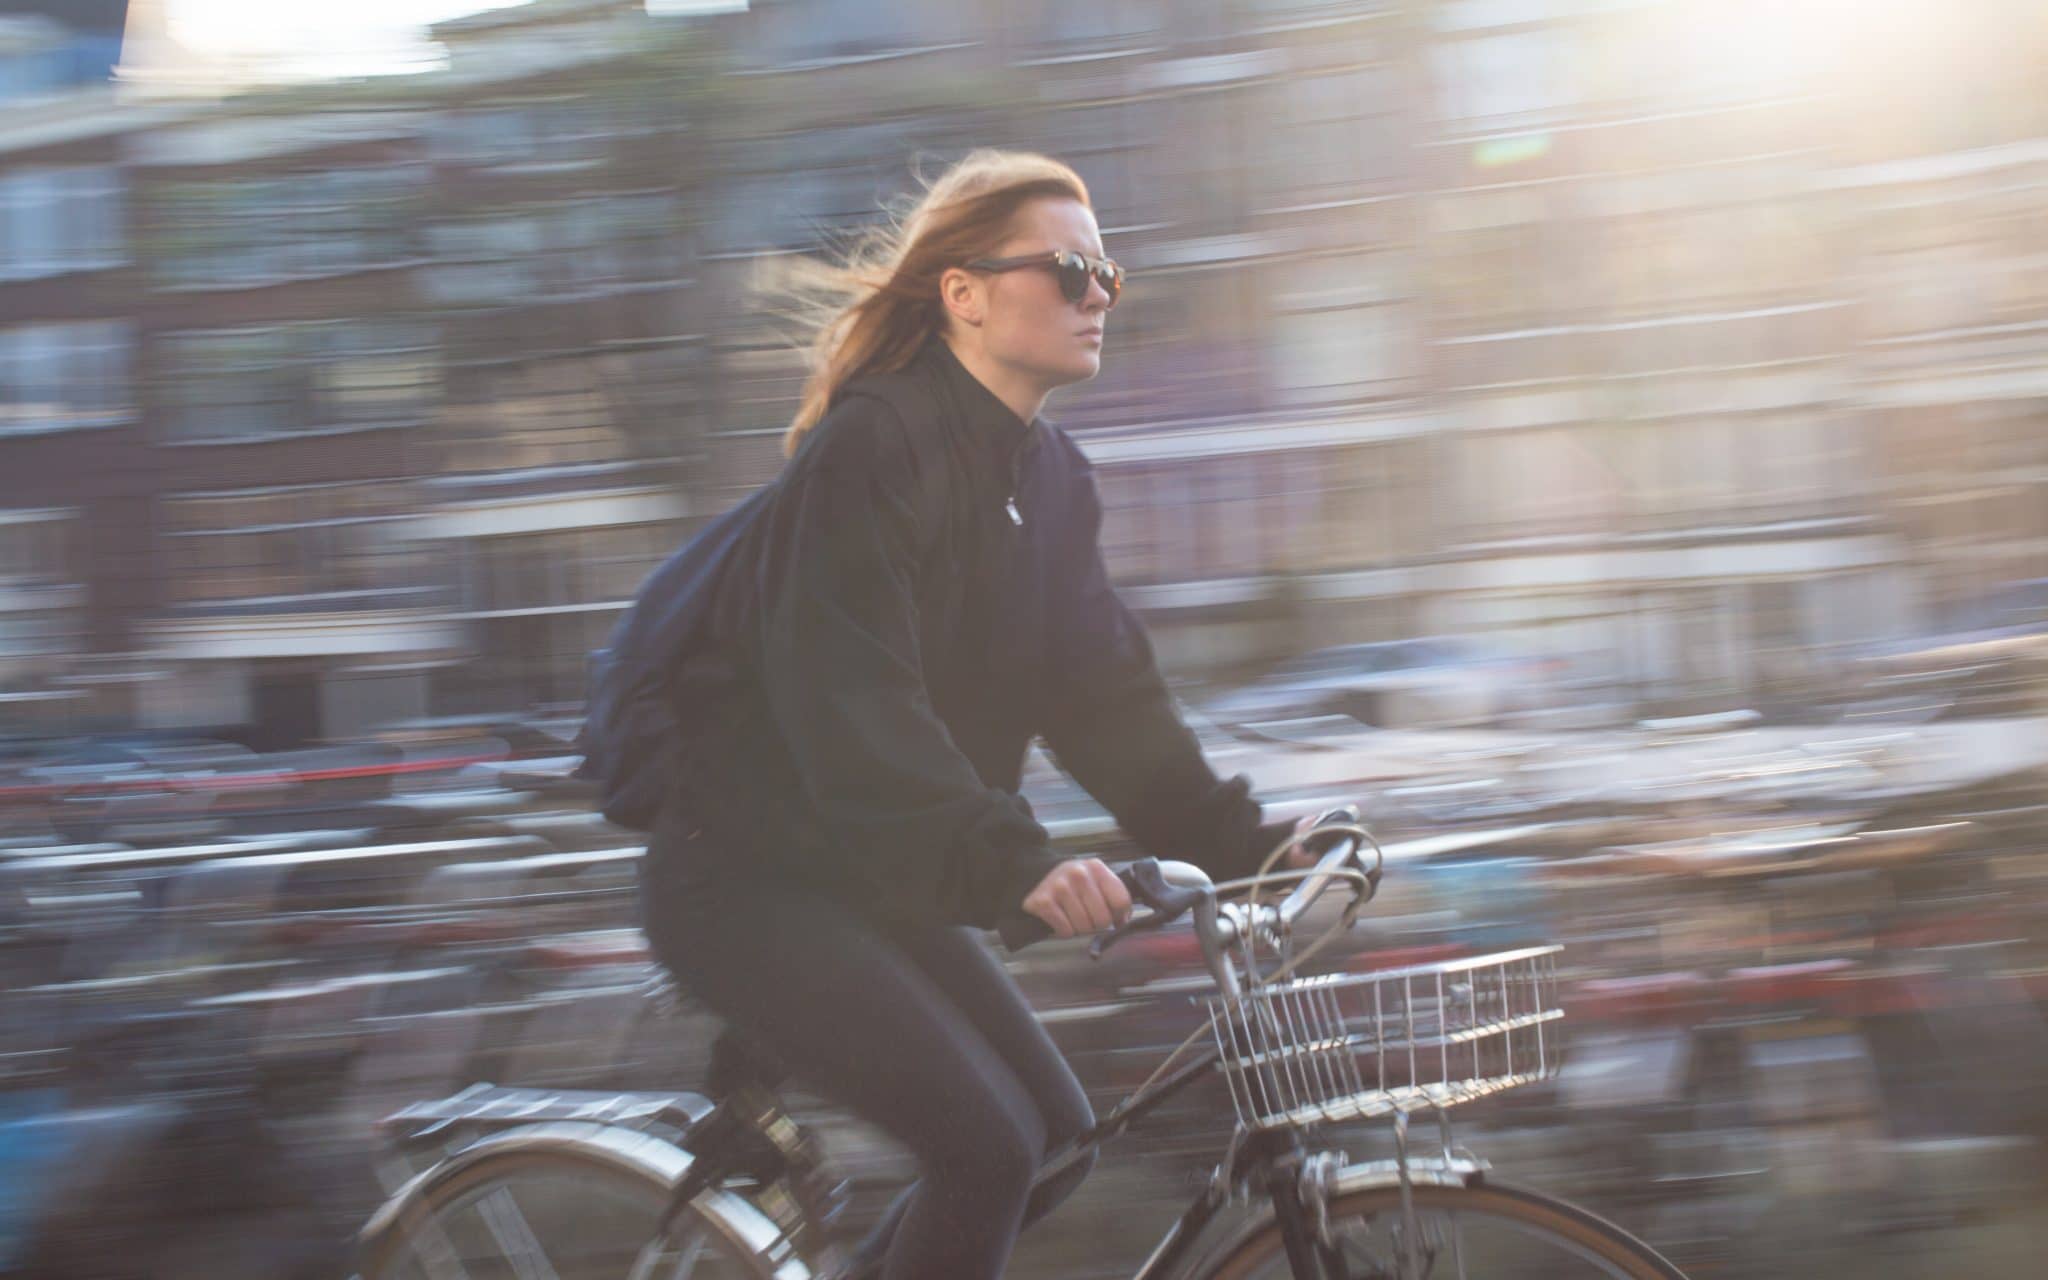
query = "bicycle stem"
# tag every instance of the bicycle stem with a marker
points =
(1219, 929)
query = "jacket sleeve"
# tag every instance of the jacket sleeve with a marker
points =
(845, 685)
(1114, 727)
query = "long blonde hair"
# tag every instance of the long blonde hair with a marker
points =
(874, 311)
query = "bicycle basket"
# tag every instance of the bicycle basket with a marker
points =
(1347, 1046)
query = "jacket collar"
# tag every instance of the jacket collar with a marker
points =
(983, 411)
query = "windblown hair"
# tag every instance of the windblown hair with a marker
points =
(872, 312)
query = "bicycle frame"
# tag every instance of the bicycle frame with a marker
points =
(1249, 1153)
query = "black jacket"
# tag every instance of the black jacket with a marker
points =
(917, 596)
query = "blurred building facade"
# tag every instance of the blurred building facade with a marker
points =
(1638, 338)
(1674, 338)
(1544, 320)
(73, 490)
(1952, 367)
(562, 236)
(293, 372)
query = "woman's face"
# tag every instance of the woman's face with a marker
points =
(1029, 327)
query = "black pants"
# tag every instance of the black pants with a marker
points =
(918, 1030)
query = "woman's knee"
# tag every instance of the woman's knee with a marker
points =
(997, 1154)
(1067, 1116)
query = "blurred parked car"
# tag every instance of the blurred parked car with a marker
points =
(1433, 681)
(1988, 673)
(141, 789)
(497, 736)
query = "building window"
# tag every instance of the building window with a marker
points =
(247, 383)
(791, 33)
(286, 225)
(1501, 261)
(1126, 538)
(1539, 481)
(764, 211)
(562, 568)
(38, 547)
(40, 621)
(30, 72)
(1115, 150)
(1794, 464)
(1501, 80)
(567, 132)
(1336, 139)
(289, 541)
(58, 376)
(559, 411)
(483, 260)
(1372, 506)
(554, 250)
(60, 219)
(761, 373)
(1342, 329)
(1064, 24)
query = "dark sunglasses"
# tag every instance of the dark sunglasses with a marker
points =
(1075, 271)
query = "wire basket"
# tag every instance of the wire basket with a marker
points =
(1347, 1046)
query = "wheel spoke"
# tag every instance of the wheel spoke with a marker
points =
(1373, 1268)
(1498, 1233)
(515, 1238)
(546, 1220)
(437, 1257)
(686, 1266)
(655, 1255)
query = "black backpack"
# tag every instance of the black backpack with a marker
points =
(631, 738)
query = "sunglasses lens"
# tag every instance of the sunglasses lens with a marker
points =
(1076, 275)
(1112, 282)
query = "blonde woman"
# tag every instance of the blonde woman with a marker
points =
(886, 627)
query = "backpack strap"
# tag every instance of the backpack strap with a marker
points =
(913, 404)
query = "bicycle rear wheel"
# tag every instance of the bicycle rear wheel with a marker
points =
(548, 1205)
(1499, 1233)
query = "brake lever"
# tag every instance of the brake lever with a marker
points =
(1102, 942)
(1148, 888)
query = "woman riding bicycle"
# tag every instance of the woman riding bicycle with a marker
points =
(916, 597)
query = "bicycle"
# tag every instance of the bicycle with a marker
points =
(680, 1185)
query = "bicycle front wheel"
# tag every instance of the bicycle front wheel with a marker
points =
(533, 1205)
(1499, 1233)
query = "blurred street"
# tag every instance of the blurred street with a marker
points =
(1805, 993)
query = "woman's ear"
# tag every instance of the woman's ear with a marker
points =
(964, 296)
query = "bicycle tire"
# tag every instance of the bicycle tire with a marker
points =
(601, 1160)
(1258, 1246)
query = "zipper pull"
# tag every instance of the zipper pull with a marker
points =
(1016, 516)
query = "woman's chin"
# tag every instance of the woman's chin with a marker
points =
(1067, 372)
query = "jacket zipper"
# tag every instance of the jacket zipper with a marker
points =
(1016, 467)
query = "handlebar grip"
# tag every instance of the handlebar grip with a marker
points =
(1148, 887)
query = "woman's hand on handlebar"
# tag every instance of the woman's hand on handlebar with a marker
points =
(1303, 854)
(1079, 896)
(1082, 895)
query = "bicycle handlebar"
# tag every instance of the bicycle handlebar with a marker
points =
(1168, 894)
(1317, 880)
(1169, 890)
